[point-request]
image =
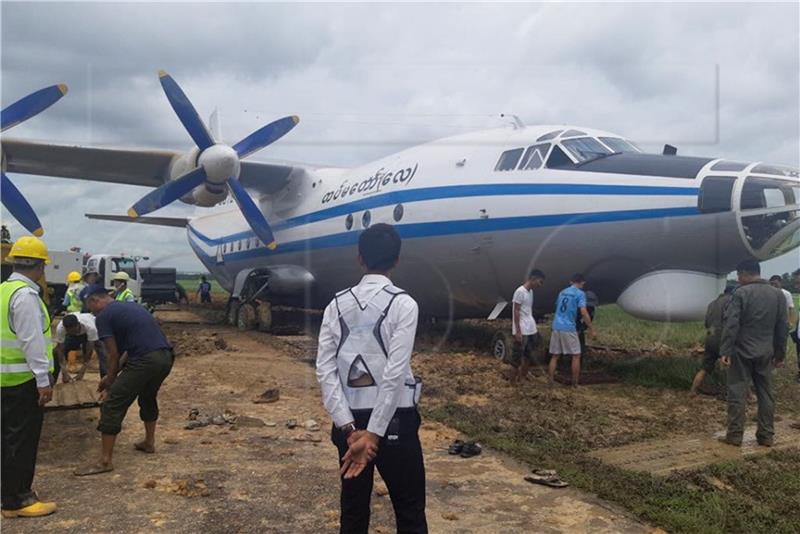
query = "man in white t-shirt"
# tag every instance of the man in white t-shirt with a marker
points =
(77, 331)
(523, 325)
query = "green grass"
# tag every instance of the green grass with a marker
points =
(191, 282)
(557, 429)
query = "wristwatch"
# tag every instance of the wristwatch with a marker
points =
(348, 429)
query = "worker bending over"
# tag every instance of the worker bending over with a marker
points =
(26, 361)
(121, 291)
(77, 331)
(127, 327)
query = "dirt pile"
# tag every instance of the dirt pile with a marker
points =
(189, 342)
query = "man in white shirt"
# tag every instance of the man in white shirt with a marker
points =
(523, 325)
(364, 369)
(77, 331)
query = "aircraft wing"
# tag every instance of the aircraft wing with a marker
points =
(130, 166)
(176, 222)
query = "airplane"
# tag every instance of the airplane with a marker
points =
(656, 233)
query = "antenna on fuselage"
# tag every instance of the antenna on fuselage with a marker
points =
(516, 122)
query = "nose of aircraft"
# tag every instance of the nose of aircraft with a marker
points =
(767, 200)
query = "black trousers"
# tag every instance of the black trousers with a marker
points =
(22, 419)
(400, 464)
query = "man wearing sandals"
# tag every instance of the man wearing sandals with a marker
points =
(363, 367)
(127, 328)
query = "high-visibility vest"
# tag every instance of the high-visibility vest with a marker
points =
(75, 304)
(126, 296)
(14, 369)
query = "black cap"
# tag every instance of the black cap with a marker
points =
(95, 289)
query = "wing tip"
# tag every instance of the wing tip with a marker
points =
(132, 213)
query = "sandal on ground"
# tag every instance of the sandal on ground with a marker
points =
(456, 447)
(551, 481)
(470, 449)
(92, 469)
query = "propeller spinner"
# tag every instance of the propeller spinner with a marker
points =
(218, 163)
(18, 112)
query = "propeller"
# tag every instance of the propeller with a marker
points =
(18, 112)
(218, 164)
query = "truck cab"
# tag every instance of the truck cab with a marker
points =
(107, 266)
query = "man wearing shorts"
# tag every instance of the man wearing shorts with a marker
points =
(715, 318)
(564, 337)
(523, 326)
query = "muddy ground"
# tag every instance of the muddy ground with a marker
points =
(257, 475)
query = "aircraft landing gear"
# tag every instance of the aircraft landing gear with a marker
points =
(252, 315)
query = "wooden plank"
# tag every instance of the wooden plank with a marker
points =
(662, 457)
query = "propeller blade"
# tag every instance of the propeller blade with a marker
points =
(19, 207)
(33, 104)
(252, 213)
(167, 193)
(185, 111)
(265, 136)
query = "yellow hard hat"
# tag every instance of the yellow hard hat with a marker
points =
(29, 247)
(122, 275)
(73, 277)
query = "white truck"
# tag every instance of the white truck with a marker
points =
(150, 285)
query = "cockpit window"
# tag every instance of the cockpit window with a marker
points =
(534, 157)
(619, 145)
(558, 158)
(509, 159)
(572, 133)
(730, 166)
(777, 170)
(585, 148)
(549, 135)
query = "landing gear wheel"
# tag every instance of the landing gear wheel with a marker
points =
(264, 313)
(502, 346)
(246, 318)
(233, 311)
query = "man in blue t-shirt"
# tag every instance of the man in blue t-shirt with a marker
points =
(204, 291)
(127, 328)
(564, 336)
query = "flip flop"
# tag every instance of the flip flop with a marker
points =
(456, 447)
(545, 472)
(547, 480)
(470, 449)
(92, 469)
(143, 447)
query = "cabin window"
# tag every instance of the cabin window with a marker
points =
(534, 157)
(348, 221)
(585, 148)
(366, 219)
(126, 265)
(715, 194)
(549, 135)
(777, 170)
(558, 159)
(619, 145)
(398, 213)
(238, 245)
(508, 160)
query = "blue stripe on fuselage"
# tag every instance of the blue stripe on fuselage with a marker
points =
(455, 191)
(442, 228)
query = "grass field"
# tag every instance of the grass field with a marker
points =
(558, 428)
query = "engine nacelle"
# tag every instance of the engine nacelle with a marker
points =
(674, 296)
(205, 195)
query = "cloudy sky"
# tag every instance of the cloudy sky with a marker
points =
(367, 80)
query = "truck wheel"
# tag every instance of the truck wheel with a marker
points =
(502, 346)
(264, 312)
(246, 318)
(233, 311)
